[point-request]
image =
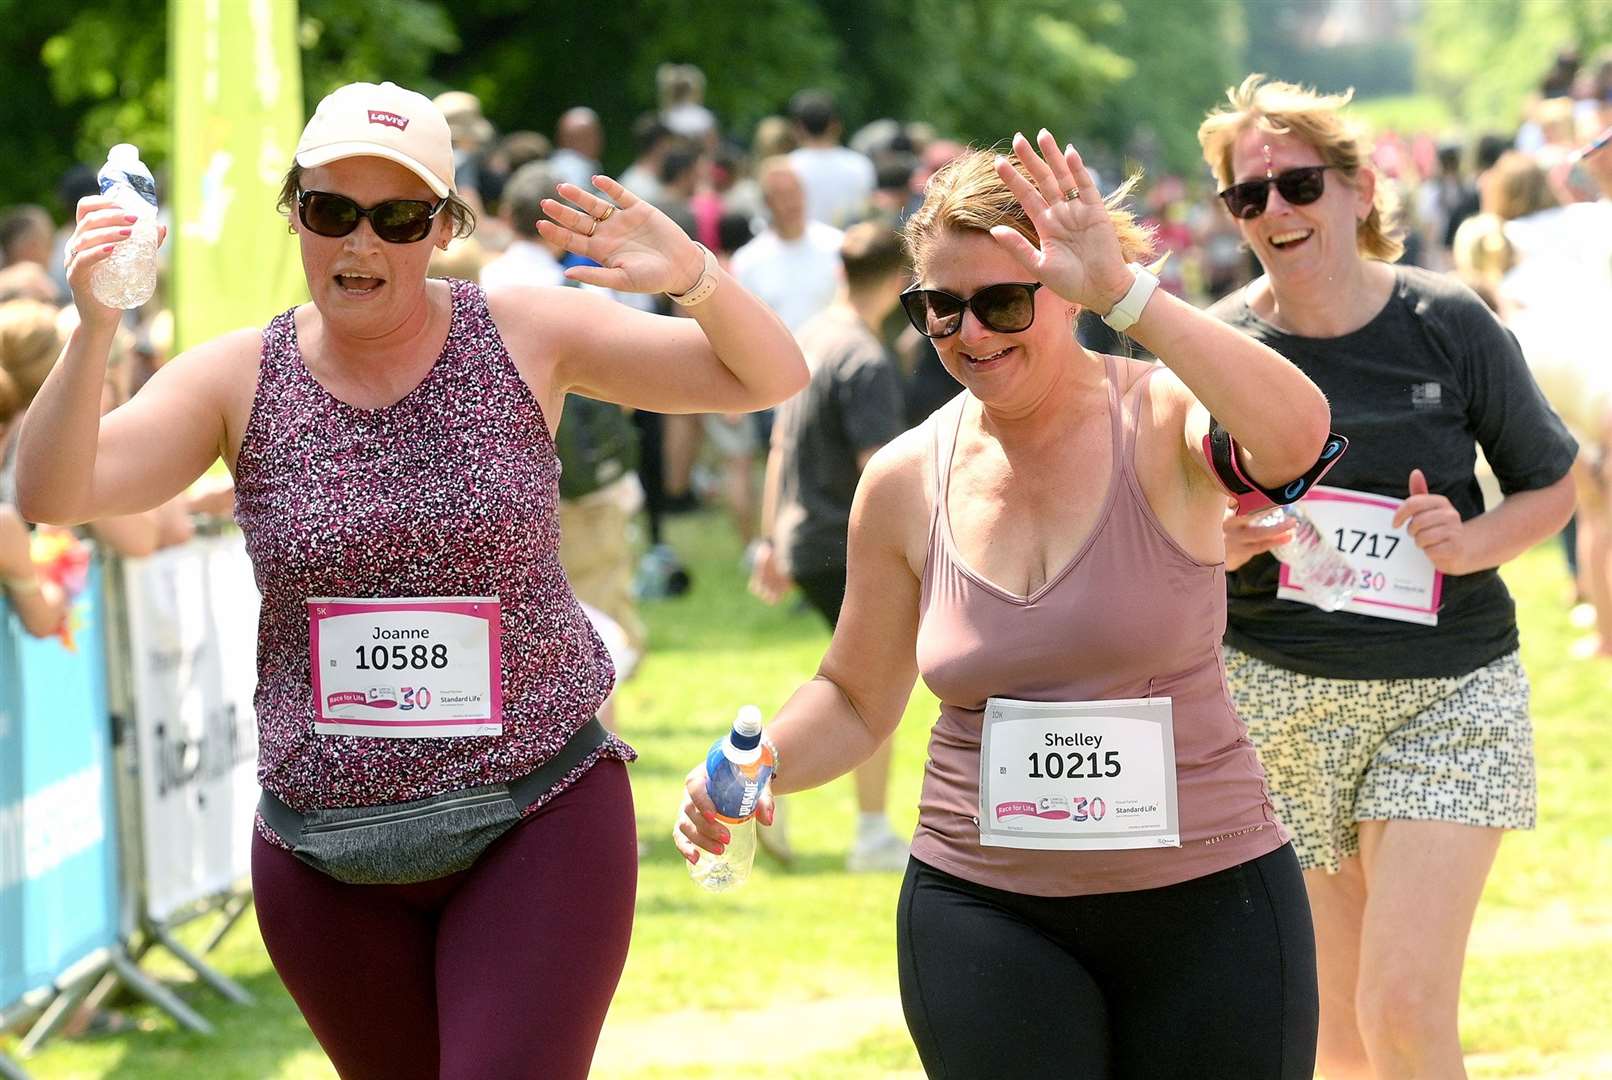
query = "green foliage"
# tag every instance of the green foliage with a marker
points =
(528, 64)
(1405, 113)
(990, 69)
(110, 63)
(829, 936)
(101, 73)
(1487, 57)
(1186, 53)
(36, 141)
(378, 40)
(1133, 77)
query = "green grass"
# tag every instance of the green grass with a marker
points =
(1539, 977)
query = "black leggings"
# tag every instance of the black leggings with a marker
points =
(1213, 977)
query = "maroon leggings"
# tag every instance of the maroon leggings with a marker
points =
(502, 970)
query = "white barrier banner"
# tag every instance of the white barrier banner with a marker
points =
(193, 630)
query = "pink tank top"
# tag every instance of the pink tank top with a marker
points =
(450, 491)
(1132, 615)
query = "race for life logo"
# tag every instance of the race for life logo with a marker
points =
(390, 119)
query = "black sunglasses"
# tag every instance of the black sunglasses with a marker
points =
(1301, 187)
(397, 221)
(1006, 308)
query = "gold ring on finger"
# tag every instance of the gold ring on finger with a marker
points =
(1071, 195)
(592, 228)
(604, 217)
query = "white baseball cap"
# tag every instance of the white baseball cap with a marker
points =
(384, 121)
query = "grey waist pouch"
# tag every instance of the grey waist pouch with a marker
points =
(402, 843)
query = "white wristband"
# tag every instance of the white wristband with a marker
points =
(704, 287)
(1129, 309)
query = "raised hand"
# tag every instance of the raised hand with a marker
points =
(1077, 254)
(102, 223)
(1436, 526)
(638, 248)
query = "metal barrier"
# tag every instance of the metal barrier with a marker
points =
(127, 784)
(188, 652)
(58, 827)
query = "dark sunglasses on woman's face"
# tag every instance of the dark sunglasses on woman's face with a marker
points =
(1300, 187)
(1006, 308)
(397, 221)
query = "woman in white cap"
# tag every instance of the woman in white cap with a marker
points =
(445, 857)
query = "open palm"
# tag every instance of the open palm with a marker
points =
(638, 248)
(1077, 252)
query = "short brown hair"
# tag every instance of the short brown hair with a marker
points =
(871, 252)
(1283, 108)
(463, 217)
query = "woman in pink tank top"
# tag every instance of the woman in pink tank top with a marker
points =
(1098, 886)
(445, 863)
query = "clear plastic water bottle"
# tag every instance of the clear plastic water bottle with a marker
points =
(737, 770)
(127, 277)
(1317, 566)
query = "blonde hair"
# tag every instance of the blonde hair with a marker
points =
(29, 344)
(773, 136)
(966, 195)
(1516, 187)
(1283, 108)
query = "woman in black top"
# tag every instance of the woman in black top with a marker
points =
(1394, 732)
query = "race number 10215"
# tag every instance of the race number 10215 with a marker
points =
(1056, 766)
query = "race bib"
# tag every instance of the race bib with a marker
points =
(1394, 578)
(406, 668)
(1078, 775)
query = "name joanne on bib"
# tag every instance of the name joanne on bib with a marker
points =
(405, 667)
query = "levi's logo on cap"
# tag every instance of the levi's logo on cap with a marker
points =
(390, 119)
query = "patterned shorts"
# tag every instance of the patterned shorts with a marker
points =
(1341, 751)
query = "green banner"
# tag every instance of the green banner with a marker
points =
(237, 111)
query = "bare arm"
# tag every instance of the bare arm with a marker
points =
(39, 604)
(734, 355)
(768, 582)
(73, 465)
(838, 719)
(1271, 407)
(1277, 415)
(1522, 519)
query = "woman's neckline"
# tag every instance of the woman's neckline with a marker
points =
(430, 373)
(1272, 321)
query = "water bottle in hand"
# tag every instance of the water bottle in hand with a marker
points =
(1318, 567)
(128, 276)
(737, 770)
